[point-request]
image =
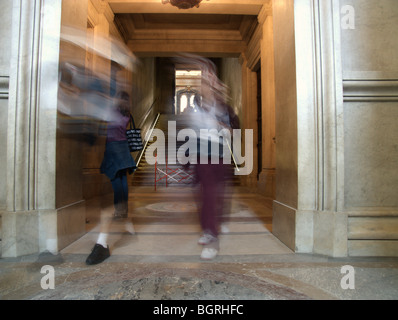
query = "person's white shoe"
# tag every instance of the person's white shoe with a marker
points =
(205, 239)
(129, 227)
(224, 228)
(208, 253)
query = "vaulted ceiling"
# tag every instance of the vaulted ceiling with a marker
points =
(217, 28)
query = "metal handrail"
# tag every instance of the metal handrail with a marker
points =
(148, 135)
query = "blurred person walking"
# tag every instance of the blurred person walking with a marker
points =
(211, 175)
(116, 164)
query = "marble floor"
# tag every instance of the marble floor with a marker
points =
(161, 259)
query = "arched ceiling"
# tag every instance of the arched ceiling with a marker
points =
(217, 28)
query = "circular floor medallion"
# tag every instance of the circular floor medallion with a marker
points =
(191, 206)
(182, 206)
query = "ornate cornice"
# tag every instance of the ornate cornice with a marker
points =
(370, 90)
(4, 87)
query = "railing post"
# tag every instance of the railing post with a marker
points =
(167, 170)
(156, 168)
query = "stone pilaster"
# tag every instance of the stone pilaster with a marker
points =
(308, 214)
(249, 120)
(31, 221)
(267, 178)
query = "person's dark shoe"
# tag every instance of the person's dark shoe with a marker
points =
(98, 254)
(120, 215)
(121, 210)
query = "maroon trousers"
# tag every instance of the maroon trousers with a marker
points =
(212, 180)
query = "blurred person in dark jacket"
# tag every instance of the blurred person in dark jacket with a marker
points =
(116, 164)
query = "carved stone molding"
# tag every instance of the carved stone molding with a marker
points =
(370, 90)
(96, 7)
(4, 87)
(266, 11)
(253, 52)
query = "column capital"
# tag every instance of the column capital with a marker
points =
(265, 12)
(102, 7)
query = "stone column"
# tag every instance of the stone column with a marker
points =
(308, 214)
(267, 175)
(32, 222)
(249, 119)
(5, 53)
(330, 220)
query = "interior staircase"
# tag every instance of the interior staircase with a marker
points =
(177, 175)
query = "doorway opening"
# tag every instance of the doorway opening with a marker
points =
(187, 87)
(259, 126)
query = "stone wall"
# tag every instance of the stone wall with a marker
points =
(5, 54)
(336, 123)
(370, 72)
